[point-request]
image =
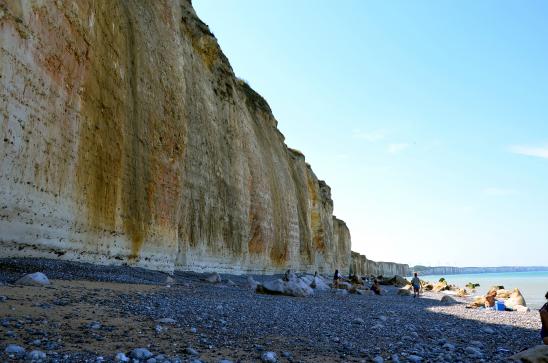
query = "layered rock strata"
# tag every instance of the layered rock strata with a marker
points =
(126, 138)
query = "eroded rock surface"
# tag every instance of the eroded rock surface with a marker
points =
(127, 138)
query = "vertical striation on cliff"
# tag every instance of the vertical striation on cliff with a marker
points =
(126, 138)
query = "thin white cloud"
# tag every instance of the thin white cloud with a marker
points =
(497, 192)
(539, 152)
(397, 148)
(370, 136)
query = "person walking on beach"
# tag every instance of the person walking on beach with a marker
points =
(544, 320)
(416, 282)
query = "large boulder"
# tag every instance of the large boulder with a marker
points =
(399, 281)
(404, 291)
(503, 294)
(214, 278)
(441, 286)
(251, 283)
(448, 299)
(293, 287)
(516, 298)
(34, 279)
(478, 302)
(538, 354)
(319, 283)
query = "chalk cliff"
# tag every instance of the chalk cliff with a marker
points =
(127, 138)
(360, 265)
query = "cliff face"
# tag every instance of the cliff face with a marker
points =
(360, 265)
(126, 138)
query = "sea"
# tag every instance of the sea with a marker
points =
(532, 284)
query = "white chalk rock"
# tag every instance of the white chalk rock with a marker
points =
(34, 279)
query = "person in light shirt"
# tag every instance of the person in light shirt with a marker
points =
(416, 282)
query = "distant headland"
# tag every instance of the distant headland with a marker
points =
(451, 270)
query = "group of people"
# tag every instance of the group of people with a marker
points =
(337, 277)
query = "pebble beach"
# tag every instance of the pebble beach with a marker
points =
(108, 314)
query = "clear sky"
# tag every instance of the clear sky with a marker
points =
(428, 119)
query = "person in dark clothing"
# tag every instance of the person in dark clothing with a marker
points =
(336, 279)
(375, 287)
(544, 320)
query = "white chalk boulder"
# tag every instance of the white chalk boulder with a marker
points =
(34, 279)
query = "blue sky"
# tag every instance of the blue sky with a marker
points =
(429, 120)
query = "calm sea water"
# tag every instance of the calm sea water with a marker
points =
(533, 285)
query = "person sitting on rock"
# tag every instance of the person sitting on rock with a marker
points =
(416, 282)
(490, 299)
(375, 287)
(336, 279)
(286, 275)
(544, 320)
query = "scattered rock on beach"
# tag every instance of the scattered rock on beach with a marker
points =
(535, 354)
(16, 350)
(447, 299)
(166, 321)
(140, 353)
(36, 355)
(516, 298)
(251, 283)
(404, 291)
(214, 278)
(521, 308)
(121, 357)
(269, 357)
(34, 279)
(293, 287)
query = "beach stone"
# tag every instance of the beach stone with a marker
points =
(358, 321)
(516, 298)
(251, 283)
(214, 278)
(191, 351)
(537, 354)
(488, 330)
(14, 349)
(140, 353)
(521, 308)
(121, 357)
(477, 343)
(447, 299)
(34, 279)
(3, 298)
(473, 352)
(415, 358)
(378, 359)
(449, 346)
(404, 292)
(378, 326)
(36, 355)
(395, 358)
(269, 357)
(166, 321)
